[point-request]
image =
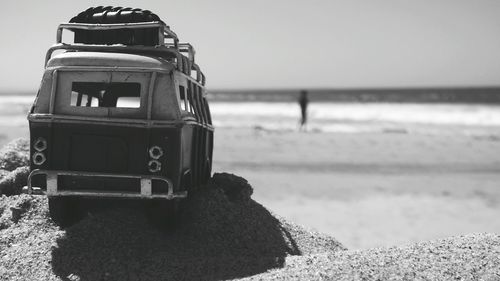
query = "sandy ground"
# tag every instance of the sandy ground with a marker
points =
(469, 257)
(366, 189)
(365, 202)
(219, 237)
(370, 189)
(216, 238)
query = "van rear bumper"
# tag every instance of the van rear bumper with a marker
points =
(144, 188)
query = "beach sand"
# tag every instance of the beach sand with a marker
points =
(370, 189)
(365, 189)
(218, 239)
(359, 190)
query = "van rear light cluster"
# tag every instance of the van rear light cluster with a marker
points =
(40, 145)
(155, 152)
(154, 166)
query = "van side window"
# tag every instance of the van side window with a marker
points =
(98, 94)
(183, 99)
(194, 91)
(191, 100)
(201, 107)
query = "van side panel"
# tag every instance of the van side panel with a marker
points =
(187, 144)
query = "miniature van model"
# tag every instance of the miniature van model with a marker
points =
(121, 113)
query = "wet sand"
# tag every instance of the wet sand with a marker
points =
(370, 189)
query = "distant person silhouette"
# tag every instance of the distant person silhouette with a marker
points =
(303, 102)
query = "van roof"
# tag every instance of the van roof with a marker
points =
(109, 60)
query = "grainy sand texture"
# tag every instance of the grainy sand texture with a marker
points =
(469, 257)
(222, 234)
(218, 239)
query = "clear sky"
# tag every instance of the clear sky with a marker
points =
(292, 43)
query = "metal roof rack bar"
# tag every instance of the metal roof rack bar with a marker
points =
(170, 34)
(168, 53)
(188, 48)
(200, 77)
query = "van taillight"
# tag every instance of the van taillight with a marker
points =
(155, 153)
(40, 145)
(154, 166)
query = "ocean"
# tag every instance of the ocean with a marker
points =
(328, 116)
(361, 117)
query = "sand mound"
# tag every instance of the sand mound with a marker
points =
(13, 182)
(470, 257)
(14, 170)
(15, 154)
(217, 239)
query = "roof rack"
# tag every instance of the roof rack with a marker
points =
(187, 48)
(200, 77)
(165, 49)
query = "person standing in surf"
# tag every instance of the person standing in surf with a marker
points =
(303, 102)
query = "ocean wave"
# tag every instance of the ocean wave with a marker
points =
(328, 113)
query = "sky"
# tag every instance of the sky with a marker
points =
(291, 43)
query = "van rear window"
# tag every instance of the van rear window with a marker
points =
(98, 94)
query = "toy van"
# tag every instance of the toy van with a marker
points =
(121, 113)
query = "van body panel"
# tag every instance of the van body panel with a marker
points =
(97, 147)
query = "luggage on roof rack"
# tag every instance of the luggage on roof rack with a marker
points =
(111, 14)
(147, 36)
